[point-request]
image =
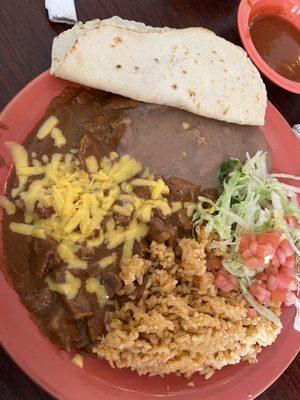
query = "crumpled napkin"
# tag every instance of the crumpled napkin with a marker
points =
(62, 11)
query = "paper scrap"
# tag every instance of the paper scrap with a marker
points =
(62, 11)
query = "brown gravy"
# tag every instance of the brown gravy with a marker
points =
(278, 43)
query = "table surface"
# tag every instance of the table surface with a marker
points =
(25, 45)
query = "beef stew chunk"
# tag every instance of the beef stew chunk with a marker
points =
(43, 256)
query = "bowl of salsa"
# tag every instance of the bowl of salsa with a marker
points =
(270, 32)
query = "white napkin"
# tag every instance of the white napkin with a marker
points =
(62, 11)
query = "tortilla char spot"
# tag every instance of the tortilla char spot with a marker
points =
(118, 66)
(195, 61)
(117, 40)
(221, 59)
(211, 61)
(184, 71)
(136, 68)
(112, 45)
(192, 93)
(225, 111)
(174, 86)
(214, 52)
(156, 60)
(238, 78)
(74, 44)
(186, 52)
(225, 70)
(212, 81)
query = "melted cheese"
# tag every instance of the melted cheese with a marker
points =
(92, 285)
(70, 288)
(47, 126)
(8, 205)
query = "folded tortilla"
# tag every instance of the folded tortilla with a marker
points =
(192, 69)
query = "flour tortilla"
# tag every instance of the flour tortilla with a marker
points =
(192, 69)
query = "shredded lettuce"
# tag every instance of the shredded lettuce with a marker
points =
(264, 311)
(252, 200)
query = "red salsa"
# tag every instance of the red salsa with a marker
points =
(278, 43)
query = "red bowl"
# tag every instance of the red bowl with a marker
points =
(52, 368)
(247, 12)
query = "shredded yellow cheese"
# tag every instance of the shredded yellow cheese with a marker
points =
(8, 205)
(92, 285)
(185, 125)
(57, 135)
(66, 253)
(78, 360)
(176, 206)
(70, 288)
(46, 128)
(82, 199)
(106, 261)
(20, 159)
(26, 229)
(91, 164)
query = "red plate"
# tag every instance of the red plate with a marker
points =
(52, 368)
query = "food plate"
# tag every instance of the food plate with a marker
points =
(53, 370)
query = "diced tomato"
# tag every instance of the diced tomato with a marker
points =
(286, 271)
(275, 262)
(224, 281)
(272, 270)
(249, 236)
(246, 254)
(264, 250)
(278, 295)
(244, 244)
(272, 238)
(261, 294)
(214, 264)
(290, 298)
(290, 263)
(280, 254)
(293, 285)
(261, 276)
(292, 221)
(254, 263)
(251, 313)
(286, 248)
(272, 282)
(253, 248)
(284, 281)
